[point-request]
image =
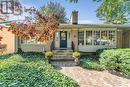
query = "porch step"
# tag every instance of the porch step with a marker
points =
(63, 63)
(62, 55)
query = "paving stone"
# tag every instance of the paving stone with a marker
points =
(91, 78)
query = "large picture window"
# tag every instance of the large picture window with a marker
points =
(97, 37)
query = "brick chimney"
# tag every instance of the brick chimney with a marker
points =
(74, 17)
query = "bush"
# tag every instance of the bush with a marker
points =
(76, 54)
(99, 51)
(116, 59)
(49, 55)
(90, 63)
(17, 71)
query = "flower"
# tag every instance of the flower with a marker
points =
(76, 54)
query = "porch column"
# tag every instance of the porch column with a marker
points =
(74, 36)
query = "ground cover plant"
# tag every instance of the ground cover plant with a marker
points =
(29, 70)
(90, 63)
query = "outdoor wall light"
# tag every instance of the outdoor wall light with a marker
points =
(74, 36)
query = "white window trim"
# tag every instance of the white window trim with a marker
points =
(100, 36)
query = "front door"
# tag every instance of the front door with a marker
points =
(63, 39)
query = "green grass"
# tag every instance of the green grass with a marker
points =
(30, 70)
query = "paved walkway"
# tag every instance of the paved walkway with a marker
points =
(91, 78)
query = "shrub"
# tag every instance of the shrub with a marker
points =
(115, 59)
(19, 51)
(49, 55)
(90, 63)
(76, 54)
(99, 51)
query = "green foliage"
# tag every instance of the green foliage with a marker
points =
(99, 51)
(19, 51)
(90, 63)
(3, 57)
(49, 55)
(17, 71)
(76, 54)
(114, 11)
(116, 59)
(55, 8)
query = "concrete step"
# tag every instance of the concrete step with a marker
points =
(63, 63)
(62, 57)
(63, 51)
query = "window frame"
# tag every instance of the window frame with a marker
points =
(34, 43)
(100, 43)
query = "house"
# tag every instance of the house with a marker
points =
(76, 37)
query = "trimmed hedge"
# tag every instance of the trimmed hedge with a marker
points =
(29, 70)
(116, 59)
(109, 59)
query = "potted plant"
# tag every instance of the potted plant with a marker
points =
(48, 55)
(76, 56)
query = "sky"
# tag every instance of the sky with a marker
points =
(86, 9)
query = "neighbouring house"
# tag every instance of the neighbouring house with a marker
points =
(76, 37)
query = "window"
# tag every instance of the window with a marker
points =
(81, 38)
(104, 38)
(112, 38)
(31, 41)
(89, 37)
(97, 37)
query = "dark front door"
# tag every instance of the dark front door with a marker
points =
(63, 39)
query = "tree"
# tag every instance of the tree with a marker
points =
(54, 8)
(28, 30)
(114, 11)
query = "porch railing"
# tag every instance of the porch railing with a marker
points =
(72, 46)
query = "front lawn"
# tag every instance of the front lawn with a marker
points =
(30, 70)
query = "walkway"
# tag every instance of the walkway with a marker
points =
(91, 78)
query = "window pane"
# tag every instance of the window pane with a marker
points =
(104, 38)
(96, 37)
(88, 37)
(112, 39)
(31, 41)
(81, 38)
